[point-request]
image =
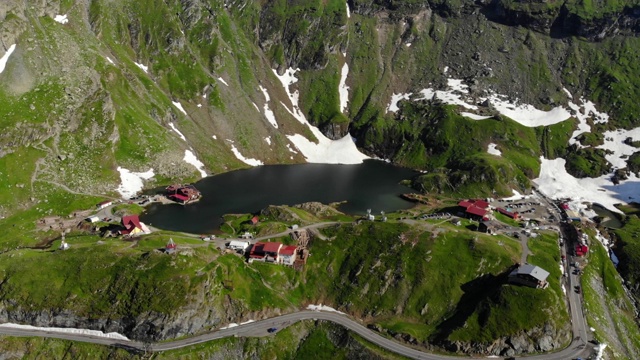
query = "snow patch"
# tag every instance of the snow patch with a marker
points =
(603, 240)
(271, 117)
(179, 106)
(614, 142)
(291, 150)
(268, 140)
(568, 93)
(199, 105)
(600, 351)
(222, 81)
(252, 162)
(256, 106)
(555, 182)
(232, 325)
(326, 151)
(343, 89)
(493, 150)
(111, 335)
(395, 98)
(473, 116)
(408, 45)
(174, 128)
(526, 114)
(583, 111)
(214, 137)
(5, 57)
(132, 182)
(143, 67)
(111, 61)
(190, 158)
(348, 10)
(323, 308)
(62, 19)
(517, 196)
(287, 79)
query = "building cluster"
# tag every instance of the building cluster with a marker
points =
(274, 252)
(278, 253)
(581, 247)
(481, 210)
(183, 194)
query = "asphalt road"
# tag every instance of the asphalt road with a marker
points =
(579, 347)
(259, 328)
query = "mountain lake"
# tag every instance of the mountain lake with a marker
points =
(371, 185)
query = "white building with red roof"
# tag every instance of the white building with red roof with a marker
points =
(287, 254)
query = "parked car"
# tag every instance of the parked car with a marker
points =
(272, 330)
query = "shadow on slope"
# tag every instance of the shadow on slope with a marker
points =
(476, 293)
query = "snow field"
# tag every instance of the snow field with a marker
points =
(132, 182)
(143, 67)
(326, 151)
(323, 308)
(62, 19)
(190, 158)
(5, 57)
(179, 106)
(232, 325)
(271, 117)
(174, 128)
(343, 89)
(111, 335)
(493, 150)
(555, 182)
(473, 116)
(248, 161)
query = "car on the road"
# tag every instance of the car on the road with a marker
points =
(272, 330)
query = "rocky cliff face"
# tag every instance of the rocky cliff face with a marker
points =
(536, 340)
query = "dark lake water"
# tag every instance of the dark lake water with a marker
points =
(372, 185)
(613, 221)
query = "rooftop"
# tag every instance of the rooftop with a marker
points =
(287, 250)
(535, 271)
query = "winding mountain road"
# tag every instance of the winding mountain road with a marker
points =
(579, 346)
(259, 328)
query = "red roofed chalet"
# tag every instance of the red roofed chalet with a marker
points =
(287, 254)
(265, 250)
(132, 225)
(255, 220)
(475, 209)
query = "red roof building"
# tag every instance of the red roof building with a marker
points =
(131, 225)
(513, 215)
(287, 255)
(254, 220)
(257, 251)
(265, 250)
(287, 250)
(581, 250)
(272, 248)
(178, 197)
(475, 208)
